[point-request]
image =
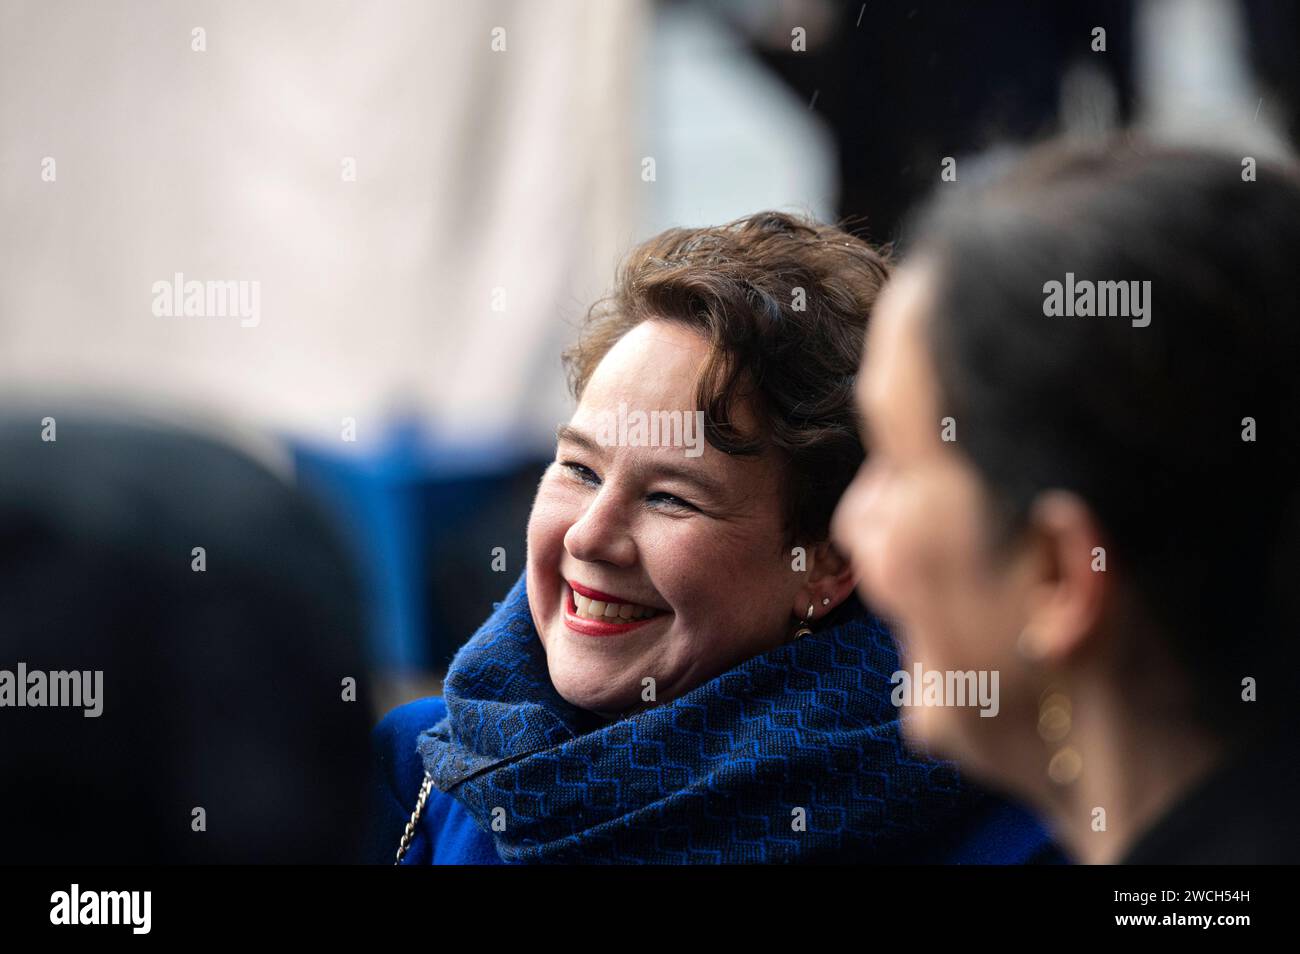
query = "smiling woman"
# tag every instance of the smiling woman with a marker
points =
(684, 674)
(664, 533)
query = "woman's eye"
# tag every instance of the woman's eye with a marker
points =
(581, 471)
(671, 500)
(586, 475)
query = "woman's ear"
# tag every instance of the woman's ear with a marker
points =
(829, 583)
(1070, 583)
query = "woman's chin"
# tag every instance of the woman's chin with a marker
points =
(580, 691)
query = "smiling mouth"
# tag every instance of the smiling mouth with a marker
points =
(589, 615)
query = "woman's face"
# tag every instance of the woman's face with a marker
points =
(696, 540)
(913, 524)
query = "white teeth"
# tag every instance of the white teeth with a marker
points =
(598, 609)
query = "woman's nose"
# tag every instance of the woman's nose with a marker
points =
(602, 534)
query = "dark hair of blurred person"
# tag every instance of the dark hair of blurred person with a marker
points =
(222, 689)
(1112, 523)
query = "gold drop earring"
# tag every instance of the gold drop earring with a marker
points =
(804, 629)
(1055, 719)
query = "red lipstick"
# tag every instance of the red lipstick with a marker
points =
(596, 627)
(591, 594)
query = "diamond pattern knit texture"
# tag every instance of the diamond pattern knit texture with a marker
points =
(792, 756)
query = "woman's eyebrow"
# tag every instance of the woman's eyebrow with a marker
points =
(567, 432)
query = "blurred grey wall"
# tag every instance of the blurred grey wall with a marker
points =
(494, 191)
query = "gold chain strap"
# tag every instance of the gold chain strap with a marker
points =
(415, 818)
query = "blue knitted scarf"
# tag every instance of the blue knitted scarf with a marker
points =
(791, 756)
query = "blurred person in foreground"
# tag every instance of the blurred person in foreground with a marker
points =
(682, 673)
(1099, 502)
(217, 616)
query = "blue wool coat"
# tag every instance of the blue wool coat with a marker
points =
(448, 835)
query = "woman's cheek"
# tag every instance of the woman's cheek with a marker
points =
(554, 511)
(891, 560)
(852, 529)
(549, 519)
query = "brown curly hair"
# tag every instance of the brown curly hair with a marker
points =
(784, 302)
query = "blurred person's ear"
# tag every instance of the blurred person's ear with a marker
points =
(1067, 578)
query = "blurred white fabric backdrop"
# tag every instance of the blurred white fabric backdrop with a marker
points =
(482, 176)
(475, 170)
